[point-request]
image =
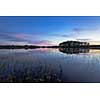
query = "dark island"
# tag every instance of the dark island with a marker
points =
(73, 44)
(78, 44)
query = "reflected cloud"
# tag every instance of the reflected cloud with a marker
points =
(94, 51)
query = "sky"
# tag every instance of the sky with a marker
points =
(48, 30)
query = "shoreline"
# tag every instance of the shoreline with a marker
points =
(35, 47)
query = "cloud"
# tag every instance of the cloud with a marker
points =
(84, 29)
(74, 32)
(65, 35)
(14, 37)
(82, 34)
(43, 42)
(7, 37)
(83, 39)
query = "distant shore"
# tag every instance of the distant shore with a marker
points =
(34, 47)
(25, 47)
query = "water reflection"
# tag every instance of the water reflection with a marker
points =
(50, 65)
(74, 50)
(28, 66)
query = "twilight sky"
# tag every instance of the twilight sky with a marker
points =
(49, 30)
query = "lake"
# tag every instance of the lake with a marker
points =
(47, 65)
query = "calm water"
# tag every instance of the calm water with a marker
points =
(50, 65)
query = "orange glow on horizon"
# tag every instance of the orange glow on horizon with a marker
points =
(94, 42)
